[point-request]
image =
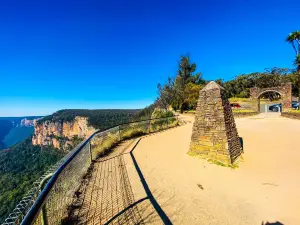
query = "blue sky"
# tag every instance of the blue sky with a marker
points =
(111, 54)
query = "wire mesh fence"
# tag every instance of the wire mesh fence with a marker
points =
(104, 141)
(48, 200)
(60, 196)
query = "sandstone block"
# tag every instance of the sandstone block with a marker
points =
(214, 135)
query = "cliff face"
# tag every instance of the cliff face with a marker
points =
(24, 121)
(27, 122)
(61, 134)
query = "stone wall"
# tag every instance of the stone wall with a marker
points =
(285, 91)
(214, 133)
(291, 115)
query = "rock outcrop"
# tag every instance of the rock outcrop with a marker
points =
(27, 122)
(61, 134)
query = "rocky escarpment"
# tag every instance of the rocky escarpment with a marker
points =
(27, 122)
(61, 134)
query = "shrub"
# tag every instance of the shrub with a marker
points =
(161, 113)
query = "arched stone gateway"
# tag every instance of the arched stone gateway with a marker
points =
(285, 91)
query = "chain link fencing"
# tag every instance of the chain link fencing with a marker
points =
(48, 200)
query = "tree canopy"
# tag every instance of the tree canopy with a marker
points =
(20, 166)
(182, 91)
(98, 118)
(294, 39)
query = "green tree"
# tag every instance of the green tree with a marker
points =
(167, 95)
(185, 75)
(295, 79)
(271, 77)
(20, 166)
(294, 39)
(192, 95)
(182, 91)
(297, 63)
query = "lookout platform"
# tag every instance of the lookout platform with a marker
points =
(153, 180)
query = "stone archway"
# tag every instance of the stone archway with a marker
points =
(285, 91)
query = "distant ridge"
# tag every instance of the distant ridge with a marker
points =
(15, 129)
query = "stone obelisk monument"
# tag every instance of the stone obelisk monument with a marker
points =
(215, 136)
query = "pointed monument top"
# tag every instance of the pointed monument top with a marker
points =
(212, 85)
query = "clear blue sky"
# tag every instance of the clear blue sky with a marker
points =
(111, 54)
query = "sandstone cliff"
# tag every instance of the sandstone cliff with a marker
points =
(61, 134)
(27, 122)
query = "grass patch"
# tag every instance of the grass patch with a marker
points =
(243, 111)
(232, 166)
(216, 162)
(292, 111)
(102, 144)
(239, 99)
(190, 111)
(192, 153)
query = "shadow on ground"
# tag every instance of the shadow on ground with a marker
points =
(106, 196)
(242, 143)
(275, 223)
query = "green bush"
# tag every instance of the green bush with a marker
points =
(292, 111)
(161, 113)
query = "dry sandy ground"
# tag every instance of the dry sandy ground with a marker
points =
(265, 187)
(189, 190)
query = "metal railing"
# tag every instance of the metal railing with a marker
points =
(48, 200)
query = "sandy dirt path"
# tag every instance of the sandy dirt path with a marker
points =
(265, 187)
(189, 190)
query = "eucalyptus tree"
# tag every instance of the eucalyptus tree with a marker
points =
(182, 91)
(185, 75)
(167, 95)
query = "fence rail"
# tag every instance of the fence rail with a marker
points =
(48, 200)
